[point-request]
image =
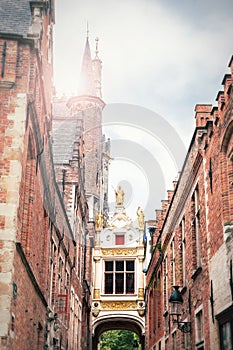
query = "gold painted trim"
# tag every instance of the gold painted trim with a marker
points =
(96, 293)
(119, 251)
(96, 259)
(140, 292)
(118, 305)
(141, 312)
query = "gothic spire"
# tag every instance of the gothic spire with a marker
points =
(87, 84)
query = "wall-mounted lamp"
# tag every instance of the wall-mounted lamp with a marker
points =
(176, 302)
(52, 316)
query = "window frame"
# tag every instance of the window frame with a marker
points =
(196, 236)
(117, 272)
(199, 326)
(121, 238)
(226, 316)
(183, 250)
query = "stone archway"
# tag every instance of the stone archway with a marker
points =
(117, 323)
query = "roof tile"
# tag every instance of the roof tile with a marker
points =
(15, 17)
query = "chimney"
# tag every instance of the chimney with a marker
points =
(203, 114)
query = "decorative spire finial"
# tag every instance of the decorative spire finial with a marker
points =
(96, 47)
(87, 30)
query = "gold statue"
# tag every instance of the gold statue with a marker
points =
(99, 221)
(140, 216)
(119, 196)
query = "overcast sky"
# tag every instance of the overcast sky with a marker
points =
(163, 55)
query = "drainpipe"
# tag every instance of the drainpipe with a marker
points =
(63, 182)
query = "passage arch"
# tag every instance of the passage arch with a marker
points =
(114, 322)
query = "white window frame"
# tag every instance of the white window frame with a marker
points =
(114, 274)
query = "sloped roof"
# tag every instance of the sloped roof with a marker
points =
(64, 131)
(15, 17)
(63, 139)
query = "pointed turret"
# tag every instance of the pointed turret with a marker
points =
(88, 106)
(87, 85)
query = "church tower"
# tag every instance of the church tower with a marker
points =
(88, 106)
(81, 159)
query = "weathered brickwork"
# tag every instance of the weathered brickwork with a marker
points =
(79, 172)
(28, 309)
(192, 245)
(45, 251)
(90, 111)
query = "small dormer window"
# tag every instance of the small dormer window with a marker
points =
(120, 239)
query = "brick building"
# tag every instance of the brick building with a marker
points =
(47, 215)
(193, 242)
(53, 185)
(118, 295)
(81, 160)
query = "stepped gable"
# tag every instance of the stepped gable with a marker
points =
(119, 219)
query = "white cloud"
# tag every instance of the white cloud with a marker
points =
(163, 55)
(145, 47)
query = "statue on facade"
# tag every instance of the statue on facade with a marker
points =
(99, 221)
(119, 196)
(140, 216)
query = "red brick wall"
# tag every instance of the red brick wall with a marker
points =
(24, 150)
(28, 310)
(208, 169)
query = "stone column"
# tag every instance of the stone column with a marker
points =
(97, 281)
(140, 279)
(97, 238)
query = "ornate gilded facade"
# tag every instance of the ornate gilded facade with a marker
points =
(118, 262)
